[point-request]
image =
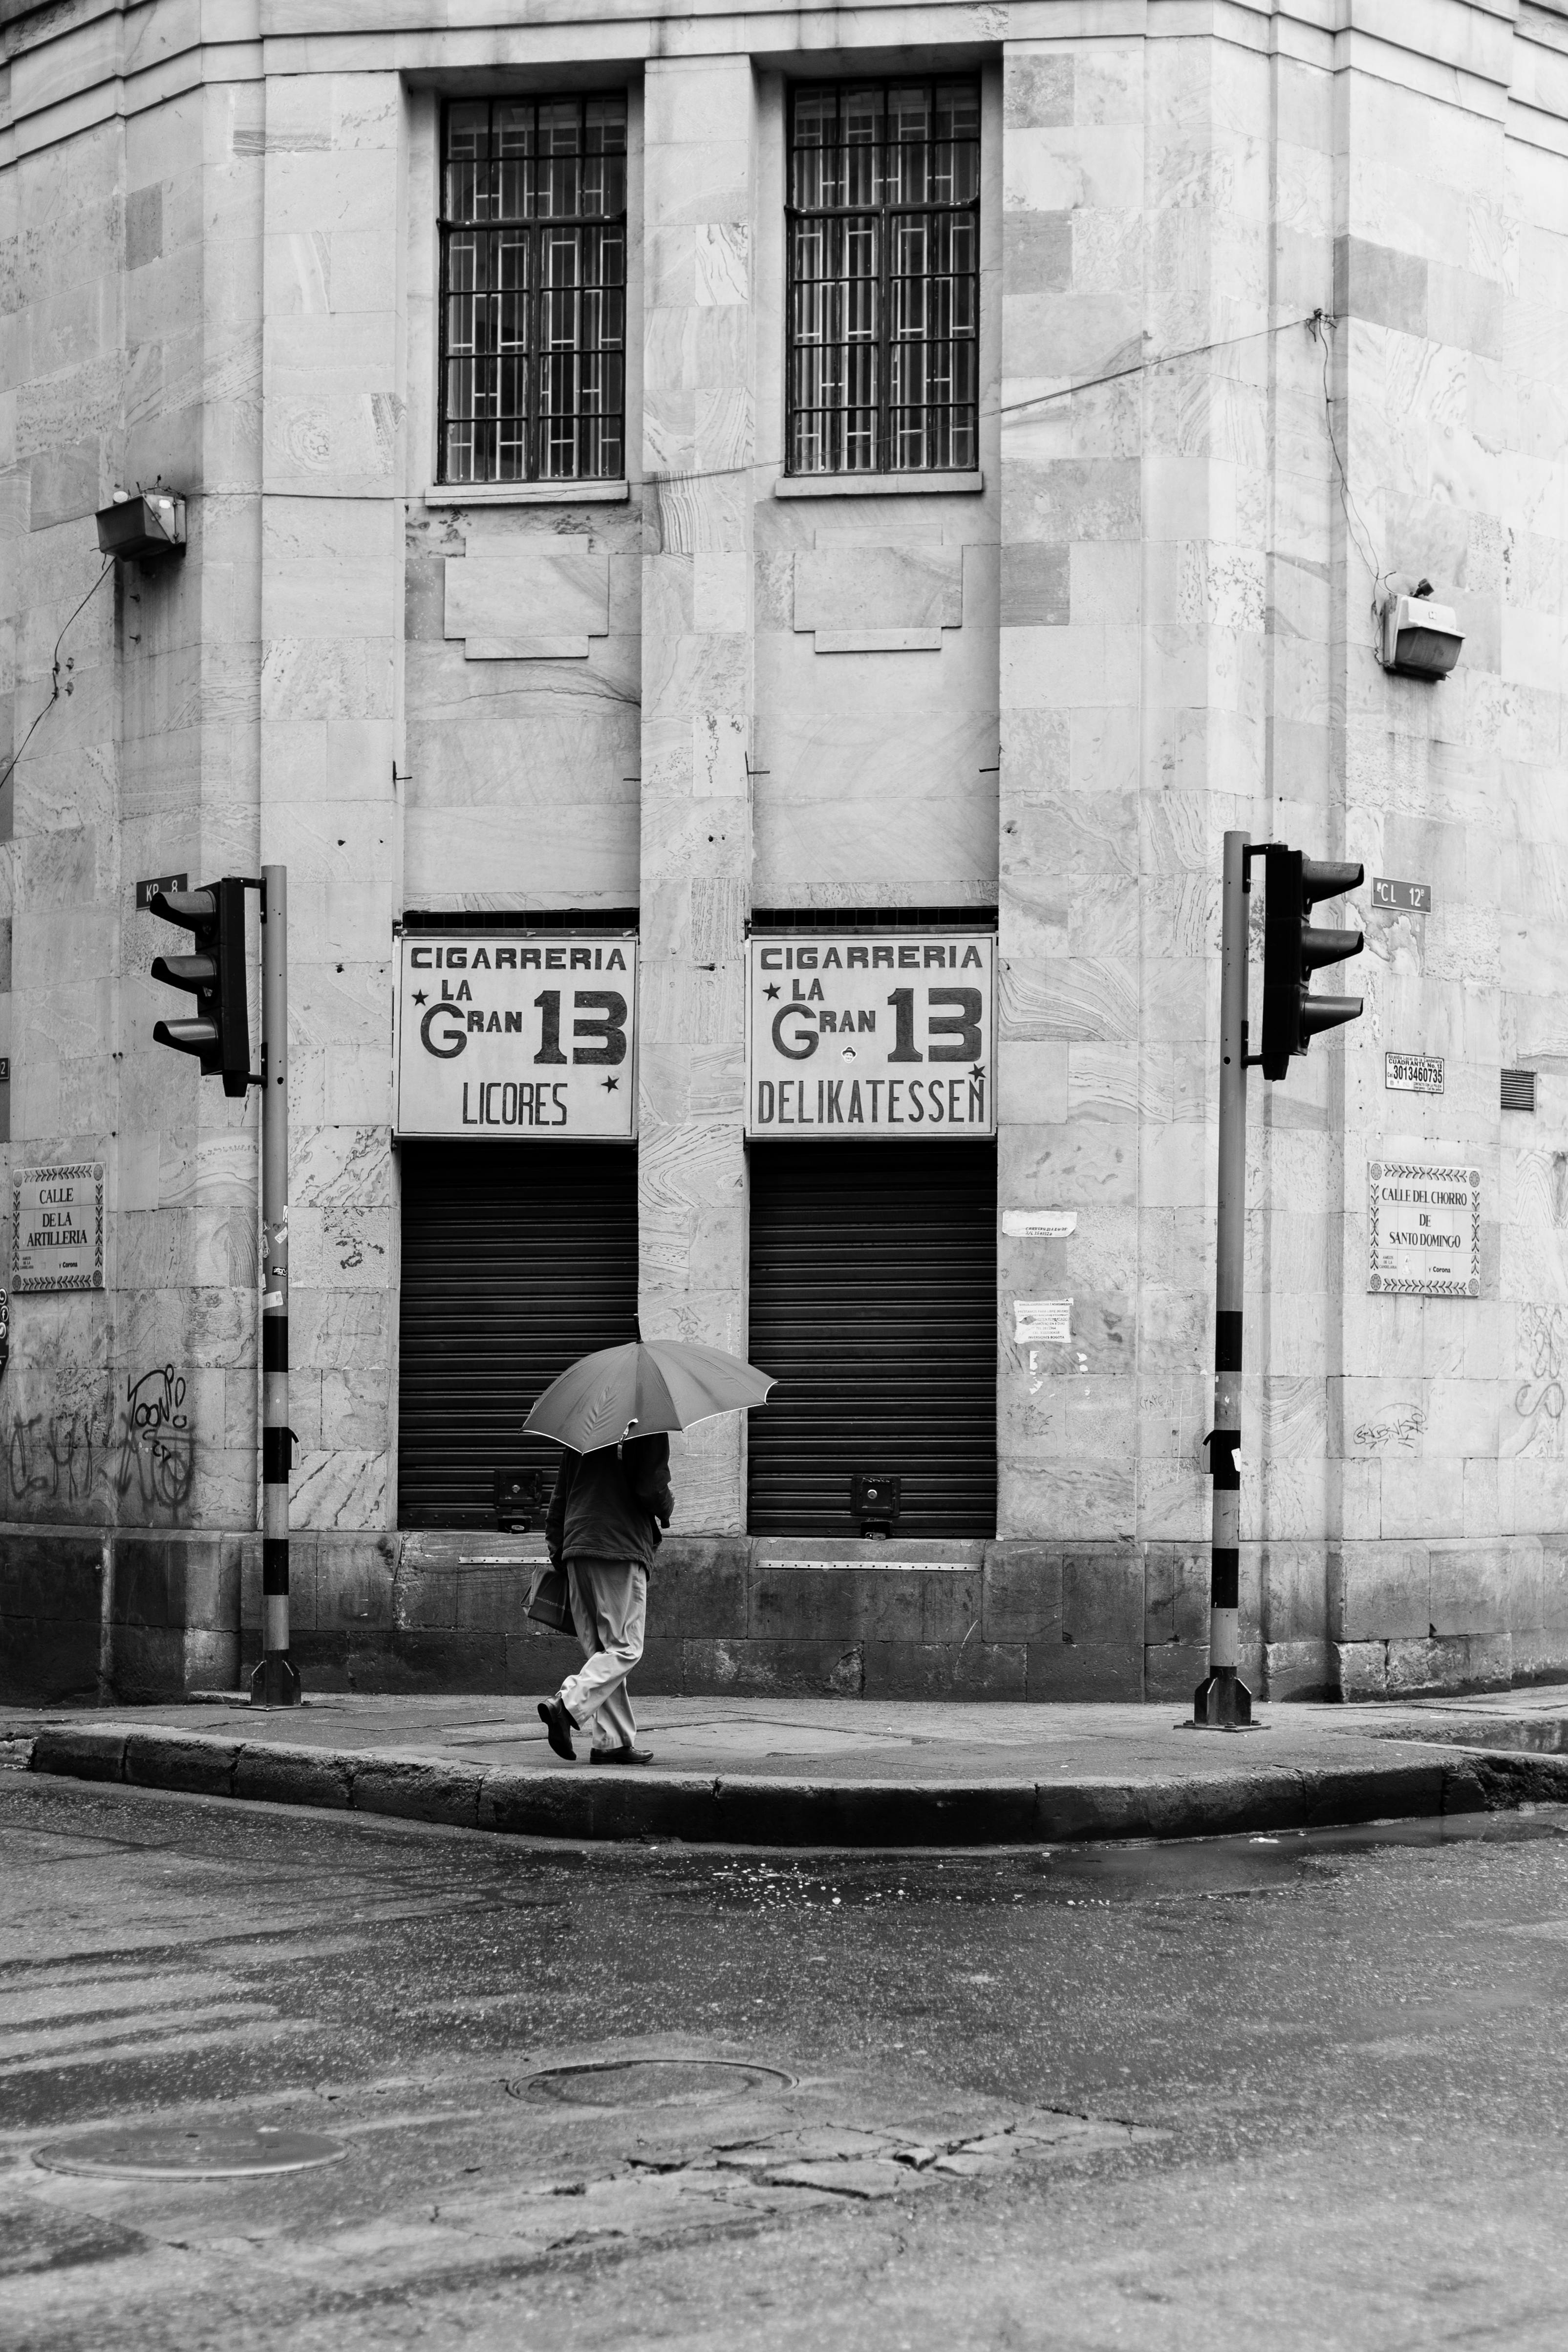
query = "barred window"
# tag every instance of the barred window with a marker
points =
(884, 277)
(533, 300)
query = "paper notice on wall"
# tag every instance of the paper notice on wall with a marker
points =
(1041, 1321)
(1412, 1074)
(1038, 1225)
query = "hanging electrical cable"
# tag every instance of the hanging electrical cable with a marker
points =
(55, 674)
(1320, 326)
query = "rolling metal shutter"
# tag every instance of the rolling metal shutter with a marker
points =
(874, 1304)
(517, 1259)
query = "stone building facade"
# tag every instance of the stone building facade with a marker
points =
(1273, 309)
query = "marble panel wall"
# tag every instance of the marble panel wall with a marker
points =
(877, 768)
(697, 709)
(1449, 249)
(134, 269)
(332, 743)
(1070, 1083)
(58, 863)
(522, 784)
(522, 773)
(186, 1233)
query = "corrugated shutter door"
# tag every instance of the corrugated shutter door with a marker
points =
(874, 1303)
(517, 1259)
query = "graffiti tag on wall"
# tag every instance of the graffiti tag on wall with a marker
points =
(137, 1452)
(1542, 1335)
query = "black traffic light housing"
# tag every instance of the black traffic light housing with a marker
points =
(1293, 950)
(219, 1034)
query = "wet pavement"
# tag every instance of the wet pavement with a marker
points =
(1300, 2090)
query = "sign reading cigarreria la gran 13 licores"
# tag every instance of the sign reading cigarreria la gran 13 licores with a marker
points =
(522, 1035)
(887, 1034)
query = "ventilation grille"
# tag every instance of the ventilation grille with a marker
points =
(1519, 1090)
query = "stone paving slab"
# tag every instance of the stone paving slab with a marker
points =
(827, 1773)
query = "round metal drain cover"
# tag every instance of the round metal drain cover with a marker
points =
(655, 2082)
(175, 2152)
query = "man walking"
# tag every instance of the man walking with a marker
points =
(605, 1520)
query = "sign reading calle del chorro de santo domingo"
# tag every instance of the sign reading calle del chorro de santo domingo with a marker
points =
(889, 1036)
(522, 1035)
(1424, 1229)
(56, 1228)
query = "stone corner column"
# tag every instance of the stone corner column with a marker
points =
(697, 698)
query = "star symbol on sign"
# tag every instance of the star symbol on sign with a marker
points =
(610, 1085)
(978, 1072)
(772, 991)
(419, 996)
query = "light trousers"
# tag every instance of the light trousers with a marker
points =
(609, 1608)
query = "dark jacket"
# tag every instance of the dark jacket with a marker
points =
(608, 1505)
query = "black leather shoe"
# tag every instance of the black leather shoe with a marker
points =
(552, 1715)
(627, 1755)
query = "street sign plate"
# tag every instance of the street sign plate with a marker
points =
(56, 1228)
(1415, 896)
(1424, 1229)
(160, 882)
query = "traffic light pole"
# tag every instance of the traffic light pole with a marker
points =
(275, 1682)
(1222, 1701)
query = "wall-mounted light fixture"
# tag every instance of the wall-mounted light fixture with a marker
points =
(1420, 640)
(144, 527)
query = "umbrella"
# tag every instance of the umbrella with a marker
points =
(640, 1388)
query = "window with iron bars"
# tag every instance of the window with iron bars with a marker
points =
(533, 289)
(884, 277)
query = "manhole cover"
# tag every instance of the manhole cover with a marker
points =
(653, 2082)
(215, 2152)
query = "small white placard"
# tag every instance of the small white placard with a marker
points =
(1424, 1229)
(1038, 1225)
(1037, 1322)
(1412, 1074)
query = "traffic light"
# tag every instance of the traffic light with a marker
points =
(1293, 950)
(219, 1035)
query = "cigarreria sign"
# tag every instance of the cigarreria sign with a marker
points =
(526, 1036)
(889, 1036)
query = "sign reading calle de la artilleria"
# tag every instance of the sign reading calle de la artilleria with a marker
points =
(521, 1034)
(1424, 1229)
(888, 1034)
(56, 1228)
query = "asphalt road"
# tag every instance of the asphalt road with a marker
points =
(1298, 2092)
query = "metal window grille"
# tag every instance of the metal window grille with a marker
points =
(1519, 1090)
(884, 277)
(534, 301)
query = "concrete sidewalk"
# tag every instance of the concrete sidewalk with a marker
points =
(833, 1772)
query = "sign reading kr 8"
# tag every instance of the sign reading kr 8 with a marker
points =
(528, 1036)
(885, 1035)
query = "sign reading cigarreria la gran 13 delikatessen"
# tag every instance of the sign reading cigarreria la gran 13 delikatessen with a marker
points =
(527, 1036)
(888, 1034)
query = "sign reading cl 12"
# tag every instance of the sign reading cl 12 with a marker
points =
(1415, 896)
